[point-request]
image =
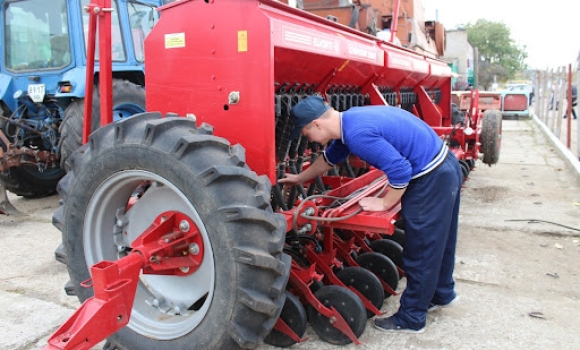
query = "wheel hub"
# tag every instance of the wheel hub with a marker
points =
(176, 281)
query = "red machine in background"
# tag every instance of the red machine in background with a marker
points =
(175, 231)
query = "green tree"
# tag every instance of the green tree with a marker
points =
(499, 55)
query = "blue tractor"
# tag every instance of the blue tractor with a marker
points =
(42, 83)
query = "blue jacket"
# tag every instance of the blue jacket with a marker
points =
(391, 139)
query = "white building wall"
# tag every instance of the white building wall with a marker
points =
(459, 49)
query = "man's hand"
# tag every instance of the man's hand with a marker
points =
(319, 167)
(290, 179)
(391, 199)
(372, 204)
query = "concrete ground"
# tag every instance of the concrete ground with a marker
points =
(517, 268)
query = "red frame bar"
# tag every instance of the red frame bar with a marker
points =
(99, 12)
(569, 109)
(339, 321)
(323, 261)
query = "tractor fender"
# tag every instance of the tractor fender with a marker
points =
(77, 77)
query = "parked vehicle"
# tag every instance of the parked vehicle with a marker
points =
(42, 83)
(516, 100)
(522, 87)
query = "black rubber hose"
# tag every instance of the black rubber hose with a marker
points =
(535, 221)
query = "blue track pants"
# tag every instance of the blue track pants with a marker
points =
(430, 207)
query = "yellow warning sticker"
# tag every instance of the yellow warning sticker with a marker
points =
(174, 40)
(242, 40)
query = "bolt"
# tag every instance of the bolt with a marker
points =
(120, 223)
(234, 97)
(304, 229)
(156, 302)
(184, 269)
(194, 248)
(332, 320)
(184, 226)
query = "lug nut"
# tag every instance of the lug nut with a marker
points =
(184, 226)
(194, 248)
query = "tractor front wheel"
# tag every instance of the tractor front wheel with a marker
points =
(138, 168)
(27, 181)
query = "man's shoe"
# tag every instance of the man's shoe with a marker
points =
(433, 307)
(388, 326)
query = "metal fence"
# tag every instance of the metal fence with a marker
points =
(553, 107)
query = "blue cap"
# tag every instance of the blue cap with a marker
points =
(306, 111)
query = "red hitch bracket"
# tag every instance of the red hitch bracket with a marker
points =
(115, 284)
(171, 245)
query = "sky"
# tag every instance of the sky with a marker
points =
(549, 30)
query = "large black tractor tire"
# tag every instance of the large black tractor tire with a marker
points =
(128, 99)
(235, 297)
(27, 180)
(491, 130)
